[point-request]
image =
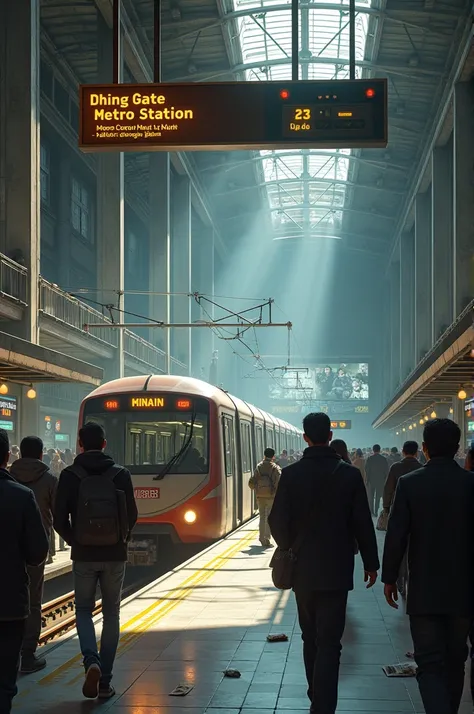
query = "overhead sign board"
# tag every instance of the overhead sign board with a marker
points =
(233, 115)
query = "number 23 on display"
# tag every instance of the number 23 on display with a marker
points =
(302, 114)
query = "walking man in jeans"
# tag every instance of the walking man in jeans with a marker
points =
(433, 515)
(264, 482)
(95, 514)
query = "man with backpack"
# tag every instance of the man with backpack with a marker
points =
(264, 482)
(95, 514)
(36, 475)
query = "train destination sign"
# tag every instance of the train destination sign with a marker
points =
(233, 115)
(345, 424)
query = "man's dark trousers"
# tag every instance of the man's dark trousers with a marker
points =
(376, 493)
(322, 617)
(440, 653)
(33, 623)
(11, 637)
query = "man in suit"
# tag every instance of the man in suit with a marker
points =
(24, 544)
(433, 515)
(326, 498)
(376, 469)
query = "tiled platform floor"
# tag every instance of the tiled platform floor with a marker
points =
(214, 613)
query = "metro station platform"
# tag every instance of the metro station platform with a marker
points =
(212, 613)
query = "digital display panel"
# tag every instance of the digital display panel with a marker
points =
(345, 424)
(146, 402)
(329, 383)
(233, 115)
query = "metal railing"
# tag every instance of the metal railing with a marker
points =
(63, 307)
(13, 280)
(67, 309)
(144, 351)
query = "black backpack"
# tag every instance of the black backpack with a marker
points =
(101, 517)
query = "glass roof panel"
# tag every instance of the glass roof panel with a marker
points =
(306, 188)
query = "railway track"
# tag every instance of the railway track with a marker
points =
(59, 616)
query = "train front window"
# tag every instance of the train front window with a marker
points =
(145, 440)
(154, 442)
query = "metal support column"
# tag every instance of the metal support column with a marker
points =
(395, 325)
(463, 196)
(20, 149)
(294, 39)
(352, 56)
(423, 338)
(442, 283)
(110, 193)
(160, 248)
(407, 303)
(181, 269)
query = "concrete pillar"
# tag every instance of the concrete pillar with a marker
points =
(407, 303)
(394, 326)
(20, 147)
(181, 269)
(463, 195)
(63, 240)
(110, 208)
(442, 239)
(422, 314)
(160, 250)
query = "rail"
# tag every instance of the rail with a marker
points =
(69, 310)
(13, 280)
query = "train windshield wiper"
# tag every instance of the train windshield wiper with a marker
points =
(179, 455)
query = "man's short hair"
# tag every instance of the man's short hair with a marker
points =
(285, 452)
(269, 453)
(317, 427)
(31, 447)
(376, 448)
(441, 438)
(410, 448)
(92, 436)
(4, 446)
(394, 450)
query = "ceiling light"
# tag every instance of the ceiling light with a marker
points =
(433, 414)
(31, 393)
(410, 427)
(451, 410)
(422, 421)
(396, 433)
(403, 429)
(414, 424)
(3, 388)
(426, 417)
(462, 394)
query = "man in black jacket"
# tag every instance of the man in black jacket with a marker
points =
(433, 515)
(24, 544)
(93, 564)
(376, 470)
(32, 472)
(326, 498)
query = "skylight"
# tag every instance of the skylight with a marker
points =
(306, 189)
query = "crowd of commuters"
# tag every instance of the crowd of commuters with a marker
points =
(330, 496)
(325, 494)
(89, 501)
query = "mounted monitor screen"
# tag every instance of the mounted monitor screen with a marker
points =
(233, 115)
(329, 383)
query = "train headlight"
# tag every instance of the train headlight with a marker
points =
(190, 517)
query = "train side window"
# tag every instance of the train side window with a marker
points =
(245, 444)
(229, 445)
(259, 443)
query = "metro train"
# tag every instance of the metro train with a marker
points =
(191, 449)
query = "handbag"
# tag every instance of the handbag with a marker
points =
(283, 561)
